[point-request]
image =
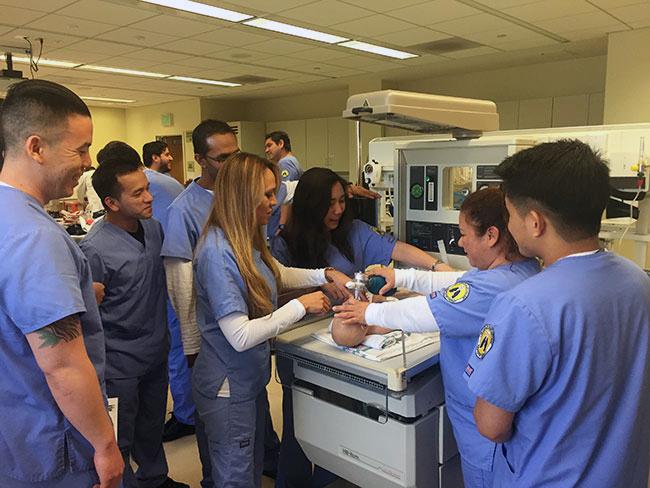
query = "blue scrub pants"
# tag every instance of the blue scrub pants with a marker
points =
(236, 438)
(474, 477)
(204, 452)
(180, 375)
(85, 479)
(294, 468)
(141, 410)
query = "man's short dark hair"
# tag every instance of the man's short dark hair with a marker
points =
(151, 149)
(105, 178)
(117, 150)
(565, 180)
(204, 130)
(37, 107)
(279, 135)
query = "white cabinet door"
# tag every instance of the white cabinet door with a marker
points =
(338, 143)
(316, 150)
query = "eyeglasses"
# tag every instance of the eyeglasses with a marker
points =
(221, 158)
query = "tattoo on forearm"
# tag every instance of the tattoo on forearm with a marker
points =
(67, 329)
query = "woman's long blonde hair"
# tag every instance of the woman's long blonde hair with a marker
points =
(238, 191)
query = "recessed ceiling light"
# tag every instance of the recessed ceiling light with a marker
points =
(203, 81)
(122, 71)
(294, 30)
(382, 51)
(202, 9)
(110, 100)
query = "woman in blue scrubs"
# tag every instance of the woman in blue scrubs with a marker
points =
(457, 309)
(320, 232)
(237, 283)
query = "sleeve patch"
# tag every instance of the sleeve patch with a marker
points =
(485, 341)
(457, 293)
(285, 173)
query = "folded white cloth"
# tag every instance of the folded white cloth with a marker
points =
(379, 347)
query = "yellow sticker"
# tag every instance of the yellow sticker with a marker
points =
(457, 293)
(485, 341)
(285, 173)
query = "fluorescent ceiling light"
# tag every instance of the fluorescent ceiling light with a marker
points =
(43, 62)
(382, 51)
(112, 100)
(202, 9)
(293, 30)
(121, 71)
(202, 80)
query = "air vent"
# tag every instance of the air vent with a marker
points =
(444, 46)
(249, 79)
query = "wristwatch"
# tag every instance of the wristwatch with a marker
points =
(433, 266)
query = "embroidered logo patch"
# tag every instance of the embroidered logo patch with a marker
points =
(457, 293)
(469, 370)
(244, 443)
(285, 173)
(485, 341)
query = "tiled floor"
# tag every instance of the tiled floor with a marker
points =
(183, 457)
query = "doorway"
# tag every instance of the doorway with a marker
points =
(175, 144)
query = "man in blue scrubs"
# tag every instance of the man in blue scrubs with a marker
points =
(55, 431)
(124, 254)
(165, 189)
(277, 147)
(562, 365)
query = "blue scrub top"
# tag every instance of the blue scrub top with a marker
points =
(290, 169)
(44, 278)
(185, 220)
(368, 247)
(220, 291)
(134, 310)
(164, 190)
(460, 312)
(274, 220)
(568, 351)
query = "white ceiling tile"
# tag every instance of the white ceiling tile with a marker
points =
(19, 16)
(376, 67)
(66, 54)
(610, 4)
(273, 73)
(178, 26)
(411, 37)
(550, 9)
(144, 63)
(156, 54)
(70, 25)
(522, 44)
(203, 62)
(234, 37)
(280, 46)
(640, 24)
(381, 5)
(5, 28)
(501, 4)
(373, 26)
(434, 11)
(282, 62)
(239, 55)
(108, 48)
(353, 61)
(216, 74)
(473, 24)
(306, 78)
(422, 60)
(344, 72)
(324, 13)
(43, 6)
(106, 11)
(633, 13)
(189, 46)
(321, 53)
(505, 36)
(582, 21)
(137, 37)
(50, 43)
(468, 53)
(592, 33)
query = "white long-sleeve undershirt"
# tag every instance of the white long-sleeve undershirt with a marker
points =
(412, 314)
(425, 282)
(180, 286)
